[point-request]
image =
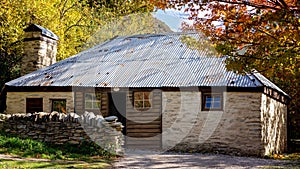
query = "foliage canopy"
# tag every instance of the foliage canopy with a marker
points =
(255, 34)
(74, 21)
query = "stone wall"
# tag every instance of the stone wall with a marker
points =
(235, 130)
(57, 128)
(20, 98)
(274, 125)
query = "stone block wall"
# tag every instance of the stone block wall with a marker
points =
(16, 101)
(274, 125)
(235, 130)
(57, 128)
(39, 51)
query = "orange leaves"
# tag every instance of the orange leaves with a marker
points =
(159, 4)
(239, 28)
(219, 31)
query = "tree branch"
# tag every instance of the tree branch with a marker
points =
(249, 4)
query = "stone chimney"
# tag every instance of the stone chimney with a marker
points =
(40, 48)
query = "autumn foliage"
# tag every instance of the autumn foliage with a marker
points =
(74, 21)
(254, 34)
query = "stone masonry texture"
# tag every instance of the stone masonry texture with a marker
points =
(58, 128)
(39, 52)
(274, 122)
(250, 123)
(16, 101)
(244, 127)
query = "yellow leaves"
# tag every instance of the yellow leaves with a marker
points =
(73, 21)
(278, 156)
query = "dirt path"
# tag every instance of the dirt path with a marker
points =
(145, 160)
(198, 161)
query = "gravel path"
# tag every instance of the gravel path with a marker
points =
(196, 161)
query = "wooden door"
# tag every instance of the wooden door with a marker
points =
(143, 127)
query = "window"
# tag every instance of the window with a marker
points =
(92, 101)
(34, 105)
(59, 105)
(142, 100)
(212, 101)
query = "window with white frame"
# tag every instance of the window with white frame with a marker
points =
(142, 100)
(92, 100)
(212, 101)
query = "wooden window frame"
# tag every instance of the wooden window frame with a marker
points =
(52, 105)
(143, 100)
(96, 100)
(213, 101)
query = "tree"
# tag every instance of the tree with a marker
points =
(140, 23)
(255, 34)
(74, 21)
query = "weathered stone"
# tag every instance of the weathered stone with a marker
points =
(21, 126)
(237, 129)
(60, 132)
(111, 118)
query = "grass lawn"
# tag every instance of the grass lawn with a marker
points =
(88, 155)
(9, 164)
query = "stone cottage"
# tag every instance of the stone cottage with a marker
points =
(167, 94)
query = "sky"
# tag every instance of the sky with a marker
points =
(172, 18)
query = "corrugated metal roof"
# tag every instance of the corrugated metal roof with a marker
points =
(150, 60)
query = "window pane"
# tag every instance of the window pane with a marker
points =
(92, 100)
(217, 105)
(147, 104)
(147, 95)
(208, 98)
(88, 105)
(138, 104)
(88, 97)
(212, 101)
(138, 96)
(207, 105)
(59, 106)
(217, 98)
(142, 100)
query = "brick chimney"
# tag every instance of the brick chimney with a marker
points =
(40, 48)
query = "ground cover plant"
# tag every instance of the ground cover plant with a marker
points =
(86, 151)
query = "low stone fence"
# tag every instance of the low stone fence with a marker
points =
(59, 128)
